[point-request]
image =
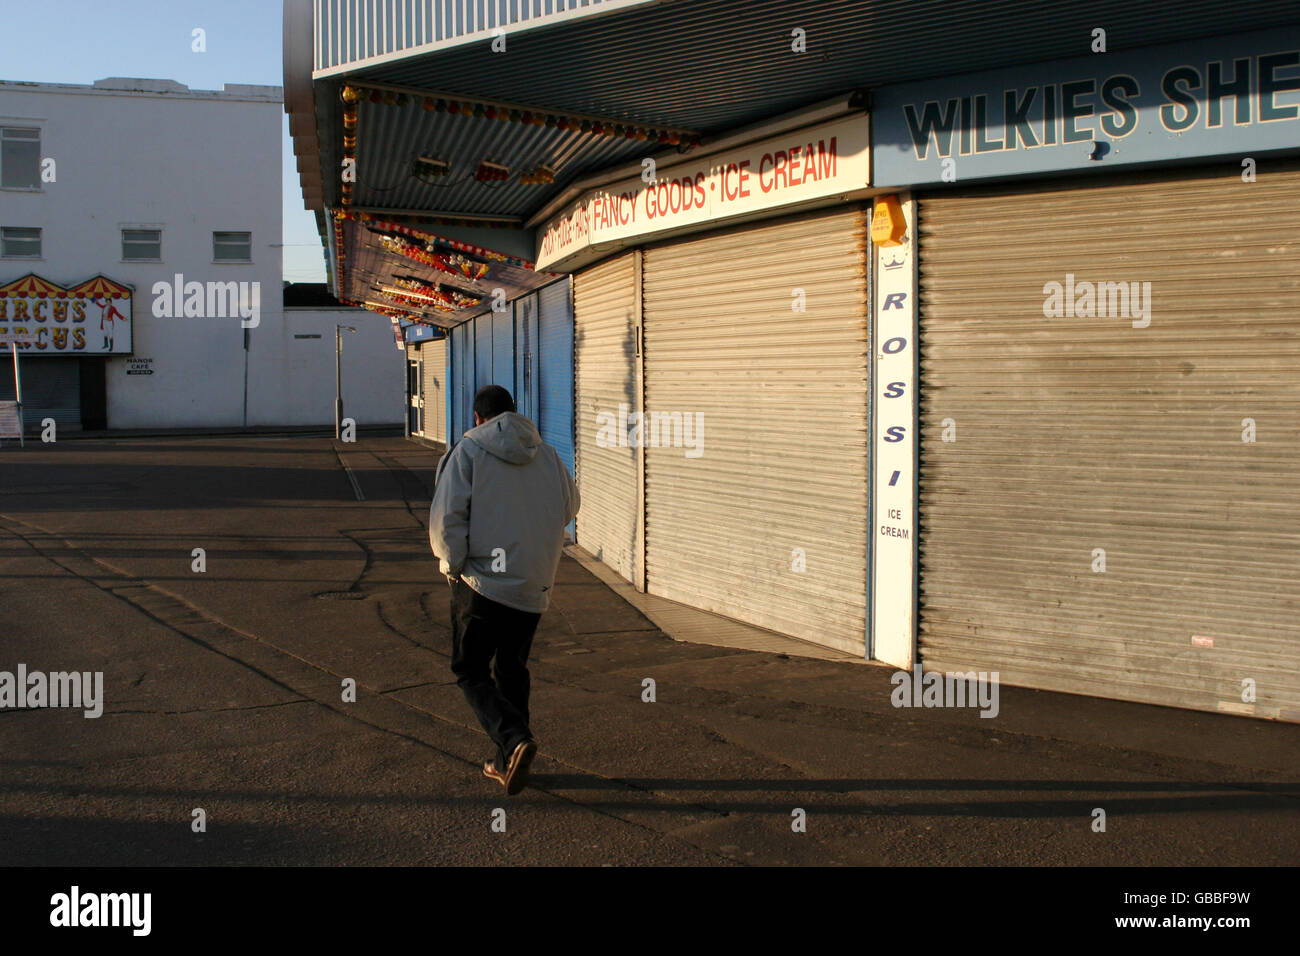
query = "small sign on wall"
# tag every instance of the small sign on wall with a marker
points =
(139, 366)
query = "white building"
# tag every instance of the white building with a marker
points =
(291, 364)
(140, 238)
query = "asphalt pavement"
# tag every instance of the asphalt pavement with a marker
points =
(224, 691)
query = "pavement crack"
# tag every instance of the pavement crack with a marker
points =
(369, 554)
(427, 683)
(406, 479)
(394, 629)
(174, 602)
(211, 710)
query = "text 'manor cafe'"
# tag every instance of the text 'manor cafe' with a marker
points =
(990, 334)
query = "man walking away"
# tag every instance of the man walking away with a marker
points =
(496, 525)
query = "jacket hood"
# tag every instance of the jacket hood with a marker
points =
(509, 436)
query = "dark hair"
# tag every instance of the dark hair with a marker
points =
(491, 401)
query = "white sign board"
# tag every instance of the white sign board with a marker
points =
(11, 422)
(893, 617)
(66, 323)
(795, 168)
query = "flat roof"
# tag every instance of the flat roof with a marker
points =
(143, 86)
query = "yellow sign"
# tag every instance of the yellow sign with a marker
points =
(887, 222)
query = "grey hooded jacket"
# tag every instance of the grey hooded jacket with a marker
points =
(499, 509)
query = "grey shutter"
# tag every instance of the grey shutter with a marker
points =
(1075, 434)
(784, 401)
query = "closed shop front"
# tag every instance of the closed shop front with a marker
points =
(756, 484)
(604, 359)
(69, 334)
(461, 367)
(1110, 450)
(528, 350)
(433, 361)
(51, 389)
(414, 388)
(525, 357)
(480, 332)
(555, 369)
(721, 378)
(503, 347)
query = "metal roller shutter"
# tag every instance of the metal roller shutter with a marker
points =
(526, 356)
(604, 358)
(51, 389)
(555, 368)
(781, 478)
(433, 356)
(484, 374)
(1077, 433)
(503, 349)
(462, 382)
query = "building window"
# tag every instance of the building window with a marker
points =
(20, 158)
(232, 246)
(142, 245)
(20, 243)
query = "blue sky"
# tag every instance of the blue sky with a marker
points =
(80, 41)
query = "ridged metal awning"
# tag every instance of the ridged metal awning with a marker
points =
(646, 79)
(714, 65)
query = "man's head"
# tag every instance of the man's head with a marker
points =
(491, 401)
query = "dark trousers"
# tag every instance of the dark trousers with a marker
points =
(480, 629)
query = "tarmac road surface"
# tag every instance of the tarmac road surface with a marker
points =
(223, 693)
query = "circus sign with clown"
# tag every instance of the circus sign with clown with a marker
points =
(89, 318)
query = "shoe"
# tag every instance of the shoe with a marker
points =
(492, 773)
(520, 760)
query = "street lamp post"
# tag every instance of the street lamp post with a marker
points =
(338, 378)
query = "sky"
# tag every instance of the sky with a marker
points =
(50, 41)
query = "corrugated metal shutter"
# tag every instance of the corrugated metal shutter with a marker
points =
(455, 354)
(503, 349)
(604, 356)
(1077, 433)
(526, 356)
(51, 389)
(555, 368)
(781, 474)
(481, 333)
(462, 382)
(433, 356)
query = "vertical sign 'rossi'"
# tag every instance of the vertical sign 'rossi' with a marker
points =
(893, 589)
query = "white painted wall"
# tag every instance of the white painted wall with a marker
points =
(188, 162)
(291, 380)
